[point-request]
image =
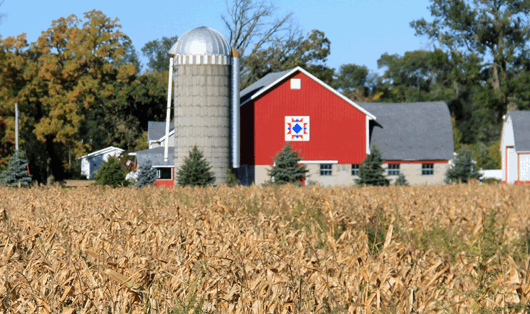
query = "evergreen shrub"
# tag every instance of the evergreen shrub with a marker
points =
(463, 169)
(286, 168)
(401, 180)
(371, 171)
(16, 172)
(195, 171)
(111, 173)
(146, 175)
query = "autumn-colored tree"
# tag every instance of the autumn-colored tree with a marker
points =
(57, 81)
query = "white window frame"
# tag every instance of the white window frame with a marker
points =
(355, 168)
(158, 172)
(326, 172)
(427, 169)
(393, 170)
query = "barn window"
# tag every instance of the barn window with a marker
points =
(427, 169)
(163, 173)
(326, 169)
(355, 170)
(393, 170)
(296, 84)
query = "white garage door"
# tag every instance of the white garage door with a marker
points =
(511, 165)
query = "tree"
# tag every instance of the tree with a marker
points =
(267, 44)
(351, 77)
(287, 167)
(401, 180)
(156, 52)
(61, 79)
(464, 168)
(16, 173)
(2, 15)
(111, 173)
(146, 175)
(195, 171)
(495, 32)
(371, 171)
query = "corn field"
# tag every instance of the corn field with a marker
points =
(429, 249)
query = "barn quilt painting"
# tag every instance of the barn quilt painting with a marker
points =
(297, 128)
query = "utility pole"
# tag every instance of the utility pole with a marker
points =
(16, 127)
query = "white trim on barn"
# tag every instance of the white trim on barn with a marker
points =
(266, 88)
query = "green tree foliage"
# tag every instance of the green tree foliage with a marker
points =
(156, 52)
(286, 168)
(231, 178)
(309, 52)
(125, 119)
(16, 173)
(195, 171)
(270, 43)
(146, 175)
(111, 173)
(401, 180)
(494, 34)
(463, 169)
(371, 171)
(59, 80)
(350, 78)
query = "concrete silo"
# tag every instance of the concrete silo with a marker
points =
(206, 99)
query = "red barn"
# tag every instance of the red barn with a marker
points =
(334, 134)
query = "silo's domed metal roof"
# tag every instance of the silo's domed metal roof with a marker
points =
(201, 41)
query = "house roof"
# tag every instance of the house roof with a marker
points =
(157, 130)
(246, 94)
(521, 130)
(102, 151)
(156, 156)
(271, 79)
(412, 131)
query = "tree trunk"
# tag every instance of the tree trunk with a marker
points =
(54, 167)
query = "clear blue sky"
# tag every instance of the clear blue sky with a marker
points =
(359, 31)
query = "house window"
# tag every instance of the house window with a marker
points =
(427, 169)
(393, 170)
(326, 169)
(296, 84)
(355, 170)
(163, 173)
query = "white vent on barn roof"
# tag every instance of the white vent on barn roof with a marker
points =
(296, 84)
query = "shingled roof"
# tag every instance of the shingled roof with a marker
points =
(156, 156)
(265, 81)
(521, 130)
(156, 130)
(412, 131)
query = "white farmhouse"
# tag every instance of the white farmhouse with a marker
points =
(156, 134)
(515, 147)
(90, 163)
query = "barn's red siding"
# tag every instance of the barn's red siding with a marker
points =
(337, 130)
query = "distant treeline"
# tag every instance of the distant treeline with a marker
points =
(81, 86)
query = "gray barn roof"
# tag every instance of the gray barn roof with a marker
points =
(412, 131)
(521, 130)
(265, 81)
(156, 130)
(156, 156)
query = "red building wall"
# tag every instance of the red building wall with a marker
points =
(168, 183)
(337, 129)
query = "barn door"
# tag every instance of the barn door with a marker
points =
(511, 164)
